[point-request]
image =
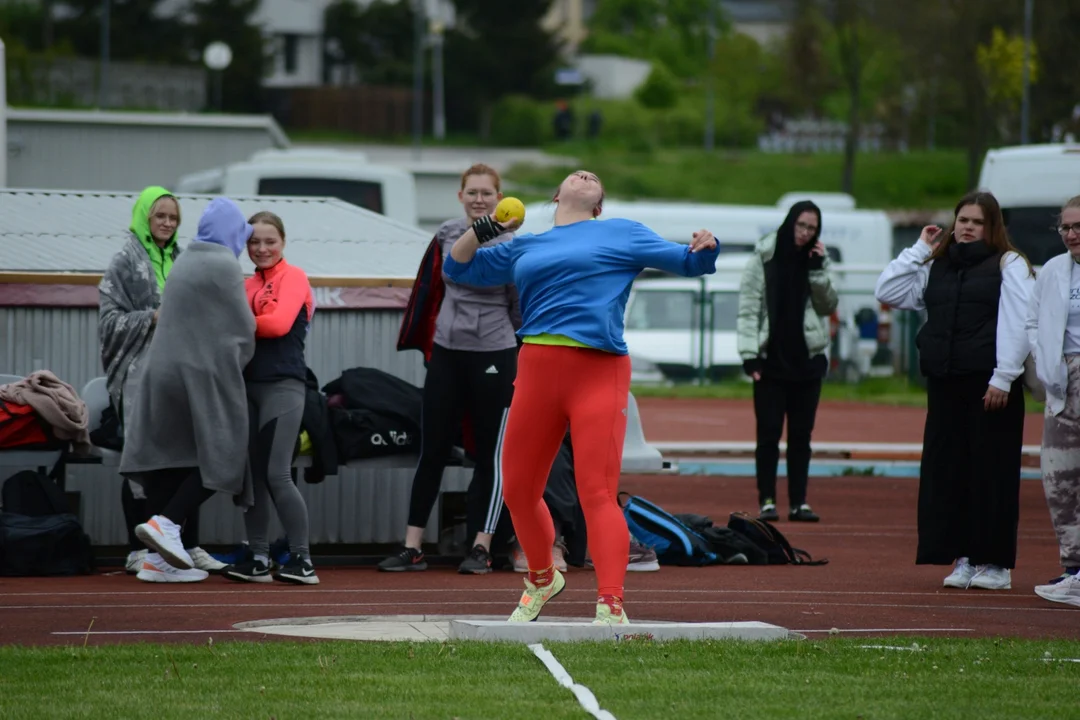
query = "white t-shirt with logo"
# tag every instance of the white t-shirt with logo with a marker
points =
(1072, 327)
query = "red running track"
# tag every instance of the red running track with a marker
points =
(690, 420)
(870, 586)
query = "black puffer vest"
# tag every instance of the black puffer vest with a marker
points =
(962, 295)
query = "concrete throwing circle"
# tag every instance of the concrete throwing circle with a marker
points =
(385, 628)
(441, 628)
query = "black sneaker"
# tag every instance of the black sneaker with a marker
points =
(407, 559)
(478, 562)
(250, 571)
(768, 511)
(803, 513)
(298, 570)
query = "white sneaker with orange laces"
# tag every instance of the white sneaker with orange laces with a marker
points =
(155, 569)
(163, 535)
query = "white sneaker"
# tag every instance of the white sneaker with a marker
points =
(163, 535)
(134, 561)
(1067, 591)
(991, 577)
(155, 569)
(961, 575)
(204, 560)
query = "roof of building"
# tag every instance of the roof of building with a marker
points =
(71, 231)
(151, 119)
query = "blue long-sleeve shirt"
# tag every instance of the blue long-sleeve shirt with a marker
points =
(574, 280)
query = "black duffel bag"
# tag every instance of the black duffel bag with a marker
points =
(43, 545)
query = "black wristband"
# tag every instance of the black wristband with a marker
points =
(815, 262)
(486, 229)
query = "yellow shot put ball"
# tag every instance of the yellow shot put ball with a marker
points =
(509, 207)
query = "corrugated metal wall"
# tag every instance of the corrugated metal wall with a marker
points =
(357, 506)
(91, 156)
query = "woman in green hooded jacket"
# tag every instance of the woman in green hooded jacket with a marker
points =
(128, 298)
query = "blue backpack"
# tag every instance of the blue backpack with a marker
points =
(674, 542)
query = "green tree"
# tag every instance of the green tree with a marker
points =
(660, 91)
(375, 40)
(674, 32)
(1002, 64)
(138, 31)
(232, 22)
(493, 54)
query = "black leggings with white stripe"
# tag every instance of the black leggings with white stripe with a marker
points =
(459, 382)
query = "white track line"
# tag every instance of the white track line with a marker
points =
(583, 694)
(284, 592)
(502, 603)
(145, 632)
(880, 630)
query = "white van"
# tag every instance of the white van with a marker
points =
(1032, 182)
(383, 189)
(853, 237)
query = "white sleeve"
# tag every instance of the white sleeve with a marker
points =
(1013, 345)
(903, 282)
(1031, 325)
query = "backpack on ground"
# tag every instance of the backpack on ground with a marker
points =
(32, 493)
(674, 542)
(20, 426)
(771, 540)
(43, 546)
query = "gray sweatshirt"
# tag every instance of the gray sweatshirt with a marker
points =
(478, 319)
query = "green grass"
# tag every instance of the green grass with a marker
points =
(895, 391)
(917, 180)
(833, 678)
(881, 391)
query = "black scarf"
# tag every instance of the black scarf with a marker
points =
(787, 287)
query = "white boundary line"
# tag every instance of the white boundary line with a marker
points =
(144, 632)
(283, 593)
(583, 694)
(501, 603)
(884, 630)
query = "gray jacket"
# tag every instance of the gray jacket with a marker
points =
(190, 408)
(127, 298)
(477, 319)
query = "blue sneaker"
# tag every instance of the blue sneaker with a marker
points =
(1069, 572)
(241, 554)
(279, 553)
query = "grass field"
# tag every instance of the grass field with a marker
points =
(879, 391)
(833, 678)
(916, 180)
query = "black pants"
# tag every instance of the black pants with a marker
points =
(135, 512)
(773, 401)
(969, 482)
(175, 493)
(482, 385)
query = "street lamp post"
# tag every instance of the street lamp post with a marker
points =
(103, 78)
(1025, 110)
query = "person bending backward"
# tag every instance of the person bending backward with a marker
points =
(188, 435)
(129, 296)
(573, 368)
(1054, 332)
(784, 296)
(279, 295)
(472, 367)
(975, 287)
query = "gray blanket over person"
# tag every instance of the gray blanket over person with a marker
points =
(190, 409)
(128, 295)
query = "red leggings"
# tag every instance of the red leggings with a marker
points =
(588, 389)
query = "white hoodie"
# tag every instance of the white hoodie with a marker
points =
(1048, 314)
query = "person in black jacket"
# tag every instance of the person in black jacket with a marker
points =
(975, 287)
